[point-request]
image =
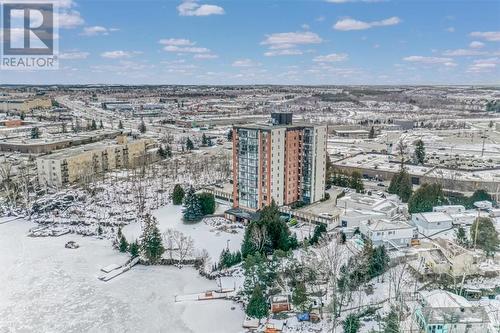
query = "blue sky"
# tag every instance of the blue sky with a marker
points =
(277, 42)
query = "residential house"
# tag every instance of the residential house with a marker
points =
(431, 223)
(441, 311)
(390, 233)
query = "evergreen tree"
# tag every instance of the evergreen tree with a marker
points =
(356, 182)
(479, 195)
(319, 230)
(120, 124)
(207, 201)
(275, 233)
(461, 237)
(133, 249)
(142, 127)
(371, 135)
(378, 261)
(391, 322)
(35, 133)
(178, 195)
(420, 152)
(189, 144)
(151, 244)
(204, 140)
(123, 246)
(22, 116)
(93, 125)
(162, 152)
(228, 259)
(230, 135)
(192, 206)
(101, 125)
(401, 185)
(257, 306)
(168, 151)
(484, 235)
(299, 296)
(425, 198)
(351, 323)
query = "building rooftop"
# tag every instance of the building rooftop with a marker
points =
(389, 163)
(444, 299)
(434, 217)
(383, 224)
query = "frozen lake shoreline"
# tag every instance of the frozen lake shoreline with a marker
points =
(45, 287)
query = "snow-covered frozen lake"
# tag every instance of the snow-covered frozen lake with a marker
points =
(203, 236)
(45, 287)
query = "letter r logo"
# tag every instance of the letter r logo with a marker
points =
(28, 29)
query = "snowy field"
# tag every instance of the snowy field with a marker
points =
(204, 236)
(45, 287)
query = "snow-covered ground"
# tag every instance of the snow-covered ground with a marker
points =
(204, 236)
(45, 287)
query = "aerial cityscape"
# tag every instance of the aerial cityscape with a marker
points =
(250, 166)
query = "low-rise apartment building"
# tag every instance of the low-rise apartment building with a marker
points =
(83, 162)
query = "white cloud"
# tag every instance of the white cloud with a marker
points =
(290, 39)
(75, 55)
(430, 60)
(69, 19)
(97, 30)
(462, 53)
(283, 52)
(205, 56)
(188, 49)
(245, 63)
(192, 8)
(286, 43)
(305, 26)
(176, 42)
(352, 24)
(450, 29)
(183, 45)
(491, 36)
(331, 57)
(483, 65)
(119, 54)
(476, 44)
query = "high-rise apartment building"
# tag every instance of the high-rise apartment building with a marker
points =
(280, 160)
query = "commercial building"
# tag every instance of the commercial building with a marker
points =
(384, 167)
(25, 105)
(278, 161)
(55, 142)
(84, 162)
